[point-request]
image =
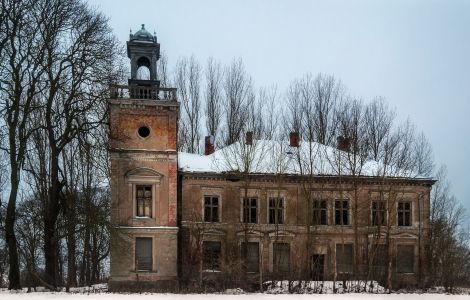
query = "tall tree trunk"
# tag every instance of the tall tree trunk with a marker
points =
(50, 220)
(14, 269)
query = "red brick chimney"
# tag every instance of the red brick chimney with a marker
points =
(294, 139)
(209, 145)
(249, 138)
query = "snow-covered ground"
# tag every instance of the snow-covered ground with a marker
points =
(108, 296)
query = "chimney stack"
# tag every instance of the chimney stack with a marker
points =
(209, 145)
(343, 143)
(249, 138)
(294, 139)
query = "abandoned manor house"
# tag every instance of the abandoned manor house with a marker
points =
(251, 212)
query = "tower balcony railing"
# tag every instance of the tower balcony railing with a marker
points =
(142, 92)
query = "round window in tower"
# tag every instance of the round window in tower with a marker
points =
(143, 131)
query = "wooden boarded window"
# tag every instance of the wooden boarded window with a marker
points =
(211, 209)
(250, 256)
(342, 212)
(405, 258)
(276, 210)
(320, 212)
(143, 254)
(250, 210)
(144, 200)
(379, 210)
(344, 258)
(404, 213)
(281, 257)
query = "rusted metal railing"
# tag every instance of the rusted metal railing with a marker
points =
(142, 92)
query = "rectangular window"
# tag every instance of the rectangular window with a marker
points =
(379, 213)
(250, 255)
(378, 254)
(344, 258)
(211, 256)
(143, 254)
(404, 213)
(211, 209)
(144, 200)
(320, 212)
(276, 210)
(342, 212)
(281, 257)
(405, 258)
(250, 210)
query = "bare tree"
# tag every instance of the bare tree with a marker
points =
(23, 51)
(236, 86)
(187, 80)
(213, 95)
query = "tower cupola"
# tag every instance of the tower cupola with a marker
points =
(144, 52)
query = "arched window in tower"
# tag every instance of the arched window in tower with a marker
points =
(143, 68)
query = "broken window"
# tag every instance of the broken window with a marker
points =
(342, 212)
(320, 212)
(211, 255)
(211, 209)
(144, 200)
(379, 213)
(250, 210)
(281, 257)
(276, 210)
(404, 213)
(143, 254)
(250, 255)
(405, 258)
(344, 258)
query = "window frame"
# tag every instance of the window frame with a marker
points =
(352, 258)
(249, 208)
(244, 258)
(342, 210)
(219, 258)
(413, 246)
(403, 211)
(318, 209)
(144, 199)
(275, 209)
(376, 210)
(211, 206)
(274, 266)
(136, 267)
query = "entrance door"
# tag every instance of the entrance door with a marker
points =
(318, 264)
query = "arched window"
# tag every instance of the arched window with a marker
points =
(143, 68)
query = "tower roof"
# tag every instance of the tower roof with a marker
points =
(143, 35)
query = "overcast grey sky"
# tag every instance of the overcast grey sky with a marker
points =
(416, 54)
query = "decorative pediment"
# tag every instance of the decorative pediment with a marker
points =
(405, 235)
(213, 231)
(250, 233)
(282, 233)
(143, 175)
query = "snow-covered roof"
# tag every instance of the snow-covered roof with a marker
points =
(277, 157)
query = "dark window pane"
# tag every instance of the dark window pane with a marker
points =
(211, 209)
(281, 257)
(211, 255)
(404, 213)
(405, 258)
(143, 254)
(344, 258)
(250, 254)
(276, 208)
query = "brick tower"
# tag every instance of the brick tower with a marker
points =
(143, 156)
